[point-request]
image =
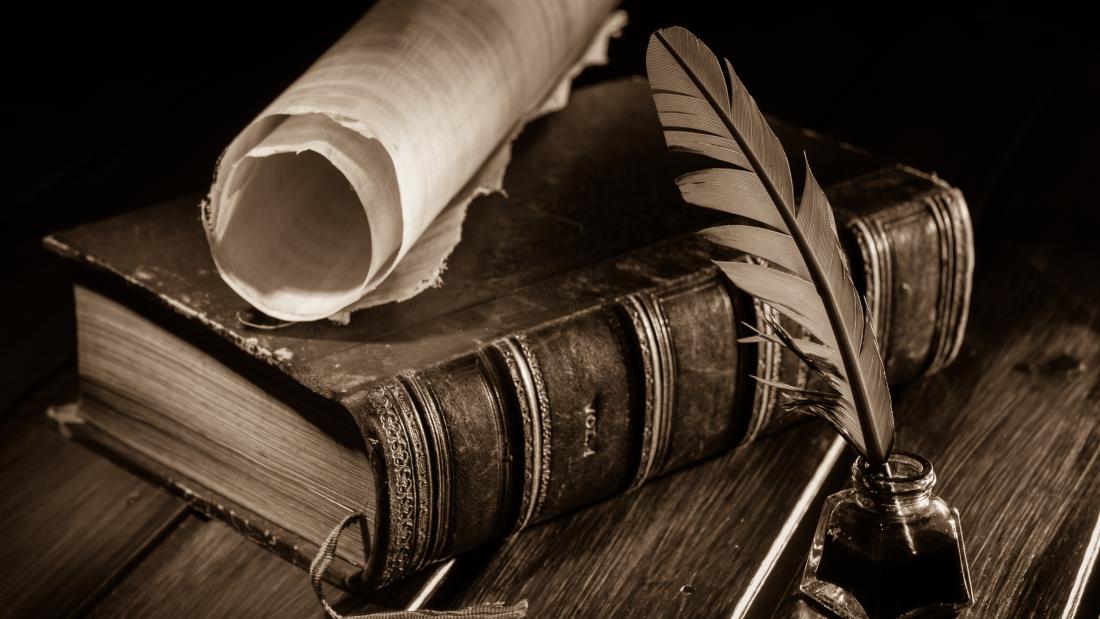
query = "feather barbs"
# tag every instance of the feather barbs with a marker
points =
(801, 272)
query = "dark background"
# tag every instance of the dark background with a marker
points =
(117, 108)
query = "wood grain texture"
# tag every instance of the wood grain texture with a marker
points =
(685, 545)
(73, 521)
(211, 571)
(1013, 430)
(206, 569)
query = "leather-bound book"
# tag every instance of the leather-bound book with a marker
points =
(581, 344)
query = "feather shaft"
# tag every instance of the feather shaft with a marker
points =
(707, 110)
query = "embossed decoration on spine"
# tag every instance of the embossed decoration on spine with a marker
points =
(544, 423)
(957, 258)
(874, 249)
(534, 406)
(955, 243)
(769, 361)
(659, 372)
(408, 481)
(439, 460)
(505, 423)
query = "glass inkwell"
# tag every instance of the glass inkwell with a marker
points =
(888, 547)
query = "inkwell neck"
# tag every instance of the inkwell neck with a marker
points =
(903, 484)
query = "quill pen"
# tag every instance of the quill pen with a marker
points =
(705, 110)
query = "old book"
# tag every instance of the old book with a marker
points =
(582, 344)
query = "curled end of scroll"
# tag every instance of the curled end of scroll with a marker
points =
(303, 222)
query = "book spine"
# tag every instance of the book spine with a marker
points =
(918, 262)
(909, 241)
(600, 401)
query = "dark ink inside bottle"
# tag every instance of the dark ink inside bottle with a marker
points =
(889, 547)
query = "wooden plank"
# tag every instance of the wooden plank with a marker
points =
(212, 571)
(1014, 429)
(72, 521)
(639, 555)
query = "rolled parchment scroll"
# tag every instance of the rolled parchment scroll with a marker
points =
(349, 189)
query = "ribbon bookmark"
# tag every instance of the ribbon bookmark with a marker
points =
(327, 553)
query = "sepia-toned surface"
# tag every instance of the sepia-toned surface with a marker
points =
(1049, 181)
(67, 510)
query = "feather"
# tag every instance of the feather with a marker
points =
(705, 110)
